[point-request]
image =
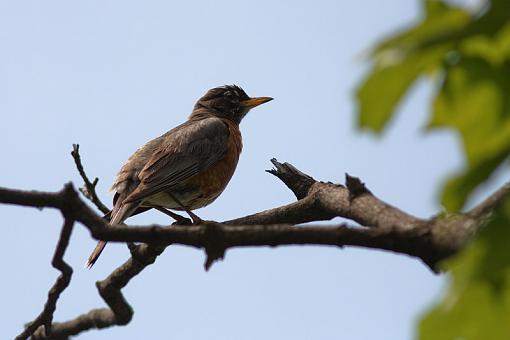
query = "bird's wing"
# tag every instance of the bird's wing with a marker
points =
(162, 163)
(182, 154)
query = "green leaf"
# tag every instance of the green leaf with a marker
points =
(387, 83)
(494, 49)
(477, 303)
(459, 187)
(433, 7)
(472, 54)
(441, 24)
(474, 100)
(400, 60)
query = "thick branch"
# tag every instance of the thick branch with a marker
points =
(66, 200)
(216, 238)
(320, 201)
(302, 211)
(234, 236)
(417, 241)
(353, 201)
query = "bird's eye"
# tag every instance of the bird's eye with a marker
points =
(232, 97)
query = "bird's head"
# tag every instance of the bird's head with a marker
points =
(228, 101)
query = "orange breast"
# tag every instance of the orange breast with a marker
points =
(214, 180)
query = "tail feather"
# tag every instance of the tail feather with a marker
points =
(95, 254)
(123, 212)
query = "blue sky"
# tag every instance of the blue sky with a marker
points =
(111, 75)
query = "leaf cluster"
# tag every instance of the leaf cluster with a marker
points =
(467, 55)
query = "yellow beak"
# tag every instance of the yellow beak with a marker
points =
(252, 102)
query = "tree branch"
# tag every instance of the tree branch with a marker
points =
(44, 319)
(119, 311)
(490, 202)
(320, 201)
(384, 227)
(89, 188)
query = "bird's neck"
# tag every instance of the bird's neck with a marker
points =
(203, 113)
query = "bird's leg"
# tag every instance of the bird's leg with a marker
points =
(194, 218)
(178, 218)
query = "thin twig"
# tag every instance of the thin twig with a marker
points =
(89, 188)
(487, 205)
(45, 318)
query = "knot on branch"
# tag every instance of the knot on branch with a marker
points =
(355, 186)
(214, 243)
(137, 253)
(294, 179)
(146, 254)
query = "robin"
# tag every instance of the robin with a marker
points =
(189, 166)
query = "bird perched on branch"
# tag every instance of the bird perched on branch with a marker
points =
(189, 166)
